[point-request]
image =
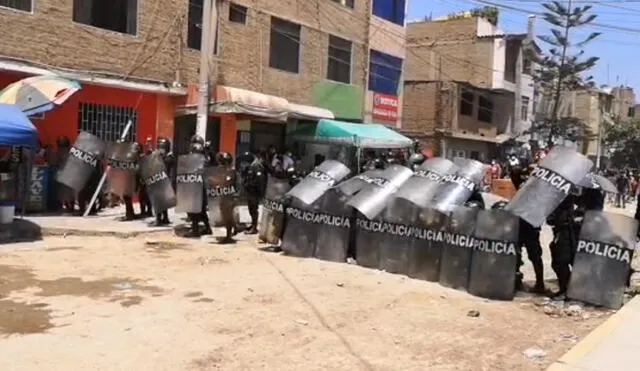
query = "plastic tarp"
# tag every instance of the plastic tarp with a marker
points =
(359, 135)
(15, 128)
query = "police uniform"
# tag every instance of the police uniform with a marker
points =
(565, 237)
(529, 236)
(196, 218)
(164, 146)
(254, 184)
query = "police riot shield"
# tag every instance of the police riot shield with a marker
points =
(495, 255)
(318, 181)
(458, 247)
(64, 192)
(357, 183)
(123, 161)
(400, 229)
(603, 259)
(373, 198)
(456, 188)
(84, 157)
(426, 251)
(549, 184)
(271, 222)
(220, 184)
(425, 182)
(190, 183)
(303, 223)
(369, 203)
(159, 188)
(334, 236)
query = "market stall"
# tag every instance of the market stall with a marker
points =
(18, 143)
(344, 141)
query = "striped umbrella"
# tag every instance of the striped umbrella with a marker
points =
(39, 94)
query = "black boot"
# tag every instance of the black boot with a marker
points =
(564, 274)
(207, 226)
(539, 287)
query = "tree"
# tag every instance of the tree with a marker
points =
(561, 69)
(623, 141)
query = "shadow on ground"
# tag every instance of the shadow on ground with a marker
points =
(21, 230)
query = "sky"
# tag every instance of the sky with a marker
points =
(618, 20)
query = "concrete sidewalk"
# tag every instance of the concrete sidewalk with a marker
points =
(613, 346)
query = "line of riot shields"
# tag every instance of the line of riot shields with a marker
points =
(419, 223)
(195, 178)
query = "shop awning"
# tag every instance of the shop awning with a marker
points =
(302, 112)
(240, 101)
(359, 135)
(498, 139)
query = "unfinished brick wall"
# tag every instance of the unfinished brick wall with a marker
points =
(159, 52)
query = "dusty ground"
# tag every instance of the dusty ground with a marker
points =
(108, 304)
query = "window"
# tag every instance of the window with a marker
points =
(107, 122)
(348, 3)
(24, 5)
(631, 112)
(391, 10)
(284, 46)
(339, 64)
(114, 15)
(385, 72)
(237, 13)
(524, 109)
(485, 109)
(194, 28)
(467, 99)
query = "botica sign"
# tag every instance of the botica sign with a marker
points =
(385, 108)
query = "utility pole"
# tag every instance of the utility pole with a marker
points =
(208, 11)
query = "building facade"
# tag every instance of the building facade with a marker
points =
(274, 65)
(624, 103)
(479, 85)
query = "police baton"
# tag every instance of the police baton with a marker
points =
(106, 171)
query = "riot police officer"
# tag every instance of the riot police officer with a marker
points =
(143, 196)
(163, 146)
(195, 218)
(127, 199)
(417, 158)
(66, 196)
(529, 235)
(254, 181)
(564, 221)
(85, 194)
(227, 204)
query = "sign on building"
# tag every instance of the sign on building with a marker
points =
(385, 108)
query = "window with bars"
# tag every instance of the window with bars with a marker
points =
(107, 122)
(24, 5)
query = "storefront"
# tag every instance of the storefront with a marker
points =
(103, 107)
(247, 120)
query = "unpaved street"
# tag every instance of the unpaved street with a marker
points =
(107, 304)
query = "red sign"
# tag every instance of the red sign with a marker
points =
(385, 107)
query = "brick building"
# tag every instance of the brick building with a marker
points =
(624, 103)
(294, 59)
(468, 85)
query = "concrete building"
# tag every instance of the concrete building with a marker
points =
(468, 85)
(275, 64)
(594, 108)
(624, 103)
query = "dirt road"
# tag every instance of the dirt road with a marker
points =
(108, 304)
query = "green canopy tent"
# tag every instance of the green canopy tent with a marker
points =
(358, 135)
(349, 135)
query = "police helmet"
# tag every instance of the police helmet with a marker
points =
(197, 139)
(417, 159)
(136, 148)
(474, 204)
(500, 205)
(291, 171)
(378, 164)
(196, 148)
(163, 143)
(63, 141)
